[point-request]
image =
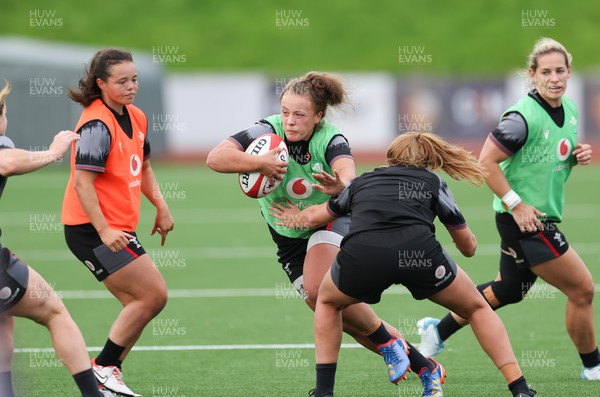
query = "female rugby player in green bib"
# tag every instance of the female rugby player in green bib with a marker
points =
(529, 157)
(320, 165)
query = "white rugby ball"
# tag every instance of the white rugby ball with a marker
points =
(255, 184)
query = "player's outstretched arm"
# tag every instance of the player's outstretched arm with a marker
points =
(19, 161)
(344, 171)
(163, 222)
(289, 215)
(464, 240)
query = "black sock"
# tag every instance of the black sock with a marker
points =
(380, 336)
(590, 360)
(519, 386)
(86, 381)
(325, 379)
(110, 354)
(6, 389)
(447, 327)
(418, 362)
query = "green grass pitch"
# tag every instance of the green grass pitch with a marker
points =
(232, 306)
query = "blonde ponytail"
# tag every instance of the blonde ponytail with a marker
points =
(426, 150)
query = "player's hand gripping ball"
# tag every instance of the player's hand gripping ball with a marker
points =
(255, 184)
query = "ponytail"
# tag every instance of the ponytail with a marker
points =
(3, 94)
(324, 89)
(425, 150)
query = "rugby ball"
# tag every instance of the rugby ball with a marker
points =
(255, 184)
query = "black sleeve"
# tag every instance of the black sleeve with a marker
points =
(446, 208)
(338, 147)
(339, 205)
(6, 142)
(93, 147)
(243, 139)
(147, 150)
(511, 133)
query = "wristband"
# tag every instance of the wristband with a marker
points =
(511, 199)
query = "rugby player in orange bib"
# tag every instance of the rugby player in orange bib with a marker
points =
(110, 169)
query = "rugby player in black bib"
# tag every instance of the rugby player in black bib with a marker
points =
(23, 292)
(392, 241)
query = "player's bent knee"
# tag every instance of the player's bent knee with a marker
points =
(583, 295)
(46, 310)
(159, 301)
(152, 302)
(468, 309)
(501, 293)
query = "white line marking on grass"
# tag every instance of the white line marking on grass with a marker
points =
(206, 293)
(59, 254)
(197, 347)
(244, 292)
(580, 211)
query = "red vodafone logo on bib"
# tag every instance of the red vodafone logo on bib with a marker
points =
(135, 165)
(299, 188)
(563, 151)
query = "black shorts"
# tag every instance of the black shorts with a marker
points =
(527, 249)
(85, 243)
(370, 262)
(292, 251)
(14, 277)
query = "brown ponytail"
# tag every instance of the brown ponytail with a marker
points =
(324, 89)
(425, 150)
